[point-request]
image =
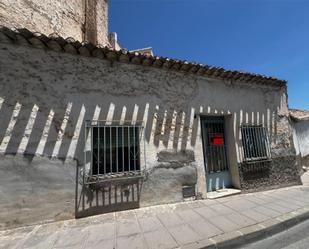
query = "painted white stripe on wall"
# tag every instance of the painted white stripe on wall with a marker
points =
(8, 132)
(41, 145)
(247, 118)
(77, 130)
(241, 116)
(182, 124)
(208, 109)
(192, 113)
(95, 116)
(123, 115)
(198, 132)
(145, 117)
(134, 115)
(154, 124)
(1, 102)
(110, 114)
(235, 136)
(143, 134)
(268, 120)
(163, 126)
(25, 139)
(173, 127)
(62, 130)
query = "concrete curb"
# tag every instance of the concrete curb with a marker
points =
(253, 233)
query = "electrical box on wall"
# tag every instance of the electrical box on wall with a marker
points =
(188, 191)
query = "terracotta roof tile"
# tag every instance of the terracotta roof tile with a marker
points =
(69, 45)
(299, 114)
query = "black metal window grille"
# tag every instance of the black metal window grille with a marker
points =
(255, 142)
(115, 149)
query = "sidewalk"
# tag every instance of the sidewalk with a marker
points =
(185, 225)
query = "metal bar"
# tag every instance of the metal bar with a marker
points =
(98, 157)
(116, 149)
(91, 147)
(104, 172)
(122, 149)
(110, 151)
(258, 139)
(134, 143)
(129, 158)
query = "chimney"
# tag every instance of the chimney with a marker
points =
(113, 41)
(96, 22)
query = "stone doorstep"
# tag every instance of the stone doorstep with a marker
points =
(222, 193)
(250, 234)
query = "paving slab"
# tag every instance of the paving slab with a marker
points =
(205, 229)
(223, 223)
(184, 234)
(191, 224)
(206, 212)
(125, 228)
(189, 215)
(254, 215)
(148, 224)
(101, 244)
(240, 204)
(170, 219)
(221, 209)
(135, 241)
(160, 239)
(101, 232)
(240, 220)
(266, 211)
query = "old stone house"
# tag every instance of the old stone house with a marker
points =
(87, 128)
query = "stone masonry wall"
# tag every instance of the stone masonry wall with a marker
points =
(46, 96)
(79, 19)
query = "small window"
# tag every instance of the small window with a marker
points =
(115, 149)
(255, 142)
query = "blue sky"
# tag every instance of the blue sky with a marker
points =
(269, 37)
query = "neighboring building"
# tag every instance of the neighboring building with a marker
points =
(86, 129)
(83, 20)
(300, 120)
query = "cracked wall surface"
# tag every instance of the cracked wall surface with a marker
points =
(43, 114)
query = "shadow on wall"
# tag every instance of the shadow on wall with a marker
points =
(59, 134)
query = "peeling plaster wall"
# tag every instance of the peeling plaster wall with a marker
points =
(46, 97)
(80, 19)
(301, 140)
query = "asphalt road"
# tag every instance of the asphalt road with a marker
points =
(296, 237)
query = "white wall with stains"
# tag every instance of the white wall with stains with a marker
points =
(45, 98)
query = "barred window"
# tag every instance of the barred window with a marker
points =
(255, 142)
(115, 149)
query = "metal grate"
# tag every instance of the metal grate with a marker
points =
(115, 149)
(255, 142)
(215, 145)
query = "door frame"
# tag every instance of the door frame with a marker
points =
(225, 174)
